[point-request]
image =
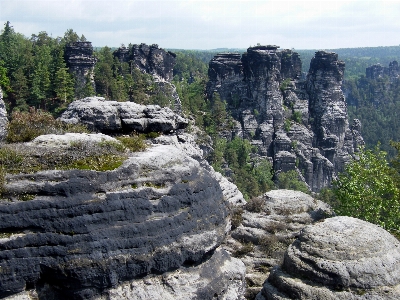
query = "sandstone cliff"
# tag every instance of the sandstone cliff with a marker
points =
(81, 62)
(155, 61)
(301, 124)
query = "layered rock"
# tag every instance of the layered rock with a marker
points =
(301, 124)
(3, 118)
(339, 258)
(270, 224)
(81, 62)
(154, 61)
(88, 234)
(112, 116)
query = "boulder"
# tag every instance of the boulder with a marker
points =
(119, 117)
(339, 258)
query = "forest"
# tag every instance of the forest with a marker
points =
(34, 77)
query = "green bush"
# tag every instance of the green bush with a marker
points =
(105, 162)
(297, 116)
(25, 126)
(134, 143)
(287, 125)
(290, 180)
(368, 190)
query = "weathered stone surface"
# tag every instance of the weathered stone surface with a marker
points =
(339, 258)
(301, 124)
(220, 277)
(281, 216)
(81, 62)
(112, 116)
(3, 118)
(66, 140)
(87, 231)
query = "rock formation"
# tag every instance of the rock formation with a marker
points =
(301, 124)
(3, 118)
(270, 224)
(155, 61)
(88, 234)
(113, 117)
(81, 62)
(378, 71)
(339, 258)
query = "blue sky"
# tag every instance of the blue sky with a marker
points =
(212, 24)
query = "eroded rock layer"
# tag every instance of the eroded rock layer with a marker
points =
(112, 116)
(339, 258)
(81, 61)
(301, 124)
(85, 231)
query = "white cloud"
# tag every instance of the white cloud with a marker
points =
(212, 24)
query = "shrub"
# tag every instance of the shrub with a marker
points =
(244, 249)
(297, 116)
(237, 217)
(255, 204)
(105, 162)
(367, 190)
(290, 180)
(287, 125)
(134, 143)
(25, 126)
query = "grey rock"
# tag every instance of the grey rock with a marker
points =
(281, 216)
(339, 258)
(221, 277)
(300, 124)
(85, 231)
(68, 139)
(113, 117)
(150, 59)
(3, 118)
(81, 62)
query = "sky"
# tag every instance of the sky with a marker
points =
(204, 24)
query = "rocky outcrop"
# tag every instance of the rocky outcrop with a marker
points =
(81, 62)
(269, 225)
(113, 117)
(3, 118)
(339, 258)
(148, 59)
(154, 61)
(378, 71)
(301, 124)
(89, 234)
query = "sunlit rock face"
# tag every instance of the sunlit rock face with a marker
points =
(339, 258)
(301, 124)
(3, 118)
(118, 117)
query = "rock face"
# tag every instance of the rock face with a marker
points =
(339, 258)
(301, 124)
(155, 61)
(3, 118)
(81, 62)
(271, 223)
(112, 116)
(87, 234)
(378, 71)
